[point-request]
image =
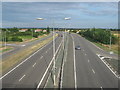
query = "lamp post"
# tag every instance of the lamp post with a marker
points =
(37, 19)
(111, 52)
(53, 51)
(54, 65)
(67, 18)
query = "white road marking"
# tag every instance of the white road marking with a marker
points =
(93, 71)
(46, 51)
(48, 67)
(23, 45)
(23, 61)
(88, 60)
(22, 78)
(34, 65)
(101, 88)
(108, 67)
(41, 57)
(85, 54)
(63, 63)
(74, 64)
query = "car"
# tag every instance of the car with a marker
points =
(77, 48)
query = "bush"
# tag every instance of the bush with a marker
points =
(15, 38)
(99, 35)
(35, 35)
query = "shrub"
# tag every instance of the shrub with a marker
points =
(15, 38)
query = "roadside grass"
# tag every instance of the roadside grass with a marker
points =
(7, 49)
(114, 47)
(26, 39)
(21, 55)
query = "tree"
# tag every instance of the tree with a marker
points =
(15, 38)
(48, 30)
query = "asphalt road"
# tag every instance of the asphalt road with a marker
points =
(21, 47)
(82, 68)
(29, 73)
(91, 72)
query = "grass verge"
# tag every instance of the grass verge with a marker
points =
(21, 55)
(114, 47)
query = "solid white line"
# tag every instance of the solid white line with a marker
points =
(34, 65)
(24, 61)
(74, 64)
(93, 71)
(21, 78)
(88, 60)
(48, 67)
(101, 88)
(63, 63)
(109, 67)
(41, 57)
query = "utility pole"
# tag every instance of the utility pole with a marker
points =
(110, 42)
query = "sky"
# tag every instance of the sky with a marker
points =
(83, 14)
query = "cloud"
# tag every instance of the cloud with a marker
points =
(19, 13)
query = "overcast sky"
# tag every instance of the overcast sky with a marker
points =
(83, 15)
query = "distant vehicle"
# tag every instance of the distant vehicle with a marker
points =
(77, 48)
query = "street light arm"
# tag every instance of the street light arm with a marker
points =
(40, 19)
(67, 18)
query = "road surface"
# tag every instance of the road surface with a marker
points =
(29, 73)
(82, 68)
(21, 47)
(89, 71)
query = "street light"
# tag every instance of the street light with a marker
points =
(111, 52)
(67, 18)
(40, 19)
(53, 51)
(37, 19)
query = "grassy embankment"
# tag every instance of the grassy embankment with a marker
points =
(25, 39)
(21, 55)
(114, 47)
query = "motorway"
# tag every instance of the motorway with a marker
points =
(82, 68)
(21, 47)
(30, 72)
(88, 70)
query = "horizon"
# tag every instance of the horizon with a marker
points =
(83, 14)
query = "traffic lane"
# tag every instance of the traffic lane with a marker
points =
(105, 77)
(16, 49)
(84, 73)
(34, 74)
(16, 74)
(21, 76)
(68, 72)
(103, 74)
(33, 80)
(39, 53)
(95, 49)
(36, 41)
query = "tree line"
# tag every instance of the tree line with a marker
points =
(99, 35)
(13, 34)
